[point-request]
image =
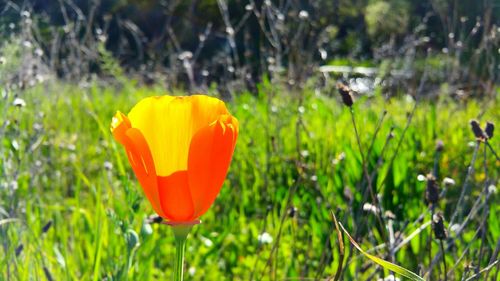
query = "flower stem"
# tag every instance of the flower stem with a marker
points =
(180, 249)
(181, 231)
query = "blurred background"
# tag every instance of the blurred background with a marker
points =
(233, 44)
(410, 169)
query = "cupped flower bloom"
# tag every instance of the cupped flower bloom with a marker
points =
(180, 149)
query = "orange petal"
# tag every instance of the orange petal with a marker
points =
(210, 154)
(169, 123)
(119, 125)
(139, 157)
(175, 197)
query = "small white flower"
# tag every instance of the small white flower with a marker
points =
(390, 278)
(25, 14)
(19, 102)
(38, 52)
(448, 181)
(13, 185)
(230, 31)
(492, 189)
(323, 54)
(15, 145)
(301, 109)
(303, 15)
(370, 208)
(265, 238)
(455, 227)
(27, 44)
(207, 242)
(421, 177)
(185, 55)
(304, 153)
(192, 270)
(108, 165)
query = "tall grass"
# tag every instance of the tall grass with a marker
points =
(71, 209)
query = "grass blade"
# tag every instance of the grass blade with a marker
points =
(340, 239)
(385, 264)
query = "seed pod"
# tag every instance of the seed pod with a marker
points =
(490, 127)
(432, 190)
(438, 226)
(439, 146)
(476, 129)
(345, 93)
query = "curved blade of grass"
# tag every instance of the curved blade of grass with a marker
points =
(4, 221)
(385, 264)
(340, 239)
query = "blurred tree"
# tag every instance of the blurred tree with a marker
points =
(387, 18)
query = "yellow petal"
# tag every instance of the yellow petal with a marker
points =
(168, 124)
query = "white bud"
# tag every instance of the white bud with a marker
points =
(448, 181)
(303, 15)
(265, 238)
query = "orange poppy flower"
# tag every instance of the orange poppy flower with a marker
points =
(180, 149)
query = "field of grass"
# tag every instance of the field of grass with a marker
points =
(71, 208)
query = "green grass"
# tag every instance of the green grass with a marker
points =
(55, 149)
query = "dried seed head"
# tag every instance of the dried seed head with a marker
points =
(389, 215)
(438, 226)
(46, 227)
(348, 194)
(476, 129)
(490, 127)
(345, 93)
(19, 249)
(432, 190)
(439, 145)
(292, 211)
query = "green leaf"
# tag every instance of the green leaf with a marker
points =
(385, 264)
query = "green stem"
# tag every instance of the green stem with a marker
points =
(181, 231)
(180, 249)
